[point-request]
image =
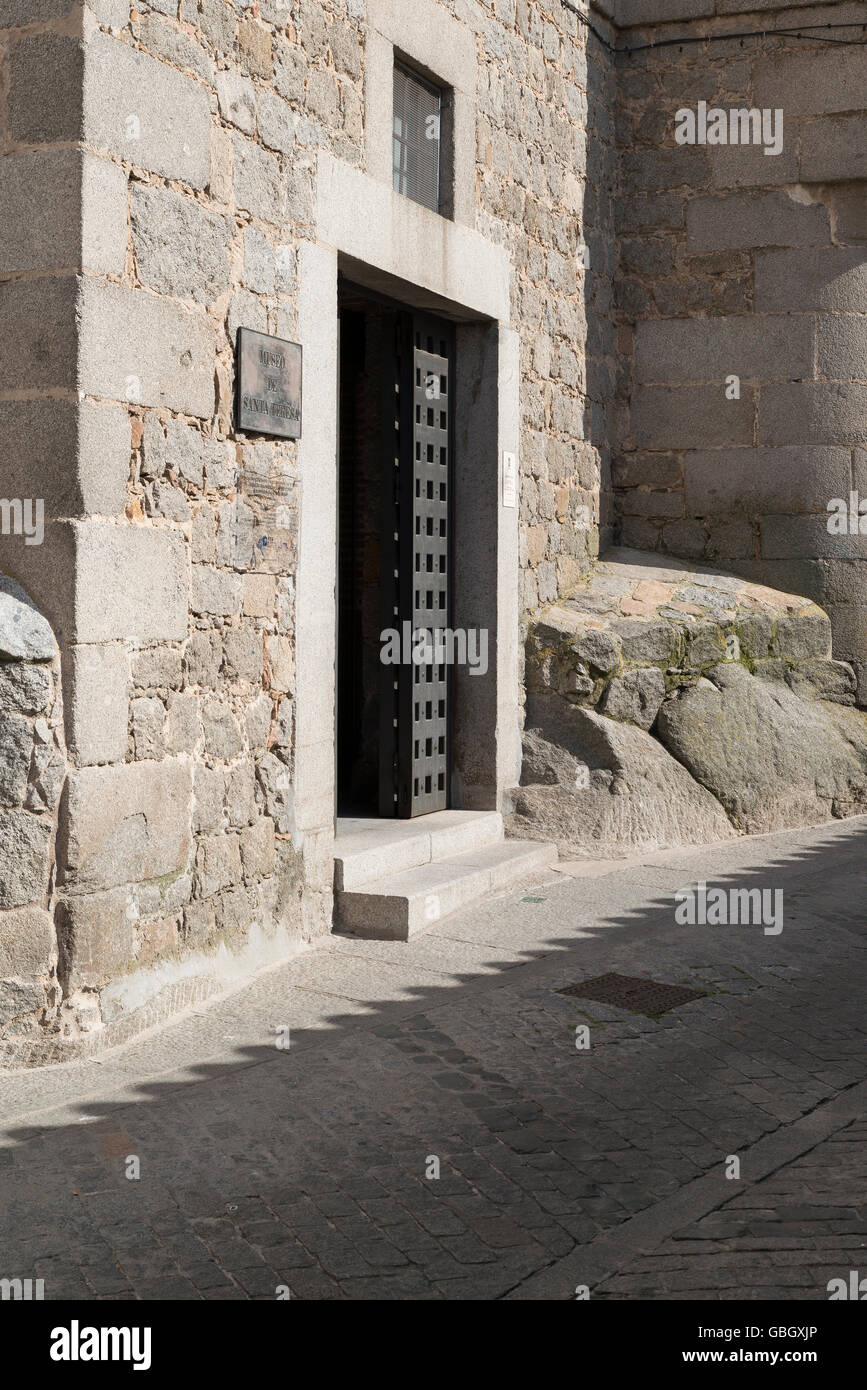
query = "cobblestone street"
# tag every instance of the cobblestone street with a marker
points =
(310, 1168)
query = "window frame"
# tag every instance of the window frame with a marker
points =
(400, 173)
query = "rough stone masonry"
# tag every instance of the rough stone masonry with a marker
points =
(161, 165)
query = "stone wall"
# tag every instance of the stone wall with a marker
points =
(32, 774)
(168, 563)
(546, 161)
(159, 166)
(164, 168)
(733, 263)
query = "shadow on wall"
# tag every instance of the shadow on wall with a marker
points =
(741, 290)
(32, 775)
(597, 256)
(563, 303)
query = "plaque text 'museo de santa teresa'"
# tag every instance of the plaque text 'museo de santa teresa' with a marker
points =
(268, 392)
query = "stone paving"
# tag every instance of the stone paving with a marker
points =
(309, 1169)
(796, 1229)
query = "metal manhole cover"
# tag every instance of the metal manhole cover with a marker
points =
(637, 995)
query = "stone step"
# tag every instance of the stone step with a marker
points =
(369, 849)
(397, 907)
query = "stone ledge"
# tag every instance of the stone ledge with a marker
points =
(47, 1049)
(385, 232)
(149, 998)
(636, 630)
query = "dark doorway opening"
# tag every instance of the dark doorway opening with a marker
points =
(396, 443)
(363, 357)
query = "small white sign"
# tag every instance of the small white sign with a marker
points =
(510, 480)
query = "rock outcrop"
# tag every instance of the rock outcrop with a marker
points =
(608, 787)
(668, 705)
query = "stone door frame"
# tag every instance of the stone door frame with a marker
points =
(387, 243)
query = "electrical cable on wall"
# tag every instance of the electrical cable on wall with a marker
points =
(803, 31)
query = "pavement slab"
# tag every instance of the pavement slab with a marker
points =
(433, 1131)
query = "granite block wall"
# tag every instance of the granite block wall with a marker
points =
(742, 293)
(158, 172)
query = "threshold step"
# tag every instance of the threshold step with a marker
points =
(396, 907)
(367, 849)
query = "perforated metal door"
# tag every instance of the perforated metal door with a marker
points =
(416, 568)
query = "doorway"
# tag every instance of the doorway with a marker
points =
(395, 561)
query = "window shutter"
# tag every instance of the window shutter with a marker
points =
(417, 137)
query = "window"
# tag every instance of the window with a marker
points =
(418, 111)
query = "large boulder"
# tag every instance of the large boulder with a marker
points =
(597, 786)
(755, 726)
(770, 757)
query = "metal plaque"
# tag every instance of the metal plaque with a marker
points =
(268, 392)
(510, 480)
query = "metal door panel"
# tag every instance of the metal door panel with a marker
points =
(416, 566)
